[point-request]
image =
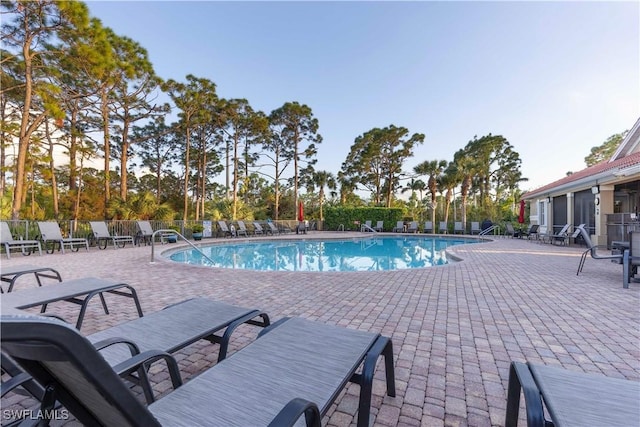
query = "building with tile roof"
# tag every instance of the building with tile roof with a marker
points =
(605, 196)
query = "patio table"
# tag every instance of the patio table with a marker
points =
(572, 399)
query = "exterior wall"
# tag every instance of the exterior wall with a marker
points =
(604, 204)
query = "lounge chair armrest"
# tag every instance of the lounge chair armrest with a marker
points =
(140, 362)
(520, 378)
(292, 411)
(133, 347)
(14, 382)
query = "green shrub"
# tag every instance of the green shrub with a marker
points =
(351, 218)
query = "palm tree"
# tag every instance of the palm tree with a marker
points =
(466, 167)
(322, 179)
(433, 169)
(447, 182)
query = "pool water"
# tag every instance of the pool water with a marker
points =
(367, 254)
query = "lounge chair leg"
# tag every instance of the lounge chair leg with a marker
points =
(389, 369)
(583, 258)
(381, 346)
(626, 273)
(104, 304)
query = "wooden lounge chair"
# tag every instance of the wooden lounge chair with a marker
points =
(570, 398)
(242, 229)
(399, 228)
(251, 388)
(257, 229)
(50, 234)
(428, 227)
(102, 236)
(25, 246)
(379, 226)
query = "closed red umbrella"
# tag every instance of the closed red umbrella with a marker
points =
(300, 211)
(521, 216)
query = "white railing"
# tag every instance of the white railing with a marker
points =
(166, 231)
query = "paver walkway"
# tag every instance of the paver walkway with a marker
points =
(454, 328)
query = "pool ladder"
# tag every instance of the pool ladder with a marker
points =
(164, 233)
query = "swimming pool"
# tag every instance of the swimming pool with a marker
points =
(355, 254)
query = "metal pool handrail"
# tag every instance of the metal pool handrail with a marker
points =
(169, 230)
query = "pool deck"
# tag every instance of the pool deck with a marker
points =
(454, 328)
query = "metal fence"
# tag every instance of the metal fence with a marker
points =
(28, 230)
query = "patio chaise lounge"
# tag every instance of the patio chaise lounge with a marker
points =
(399, 228)
(172, 329)
(510, 231)
(251, 388)
(224, 230)
(50, 233)
(257, 229)
(428, 227)
(593, 250)
(379, 226)
(10, 274)
(272, 228)
(443, 227)
(412, 227)
(475, 227)
(77, 291)
(242, 229)
(145, 232)
(562, 236)
(570, 398)
(458, 228)
(25, 246)
(532, 232)
(102, 236)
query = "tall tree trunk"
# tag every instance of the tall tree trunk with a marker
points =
(26, 130)
(107, 148)
(186, 175)
(235, 175)
(203, 190)
(73, 147)
(52, 171)
(124, 158)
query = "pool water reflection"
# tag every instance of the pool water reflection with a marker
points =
(367, 254)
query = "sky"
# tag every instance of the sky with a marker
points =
(554, 78)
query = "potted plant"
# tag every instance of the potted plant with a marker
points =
(172, 237)
(197, 231)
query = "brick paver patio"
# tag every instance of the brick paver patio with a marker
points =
(454, 328)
